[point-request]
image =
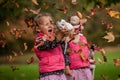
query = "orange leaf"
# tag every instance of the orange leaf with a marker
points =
(29, 61)
(25, 46)
(110, 37)
(14, 68)
(35, 2)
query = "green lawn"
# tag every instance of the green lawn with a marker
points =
(30, 72)
(108, 69)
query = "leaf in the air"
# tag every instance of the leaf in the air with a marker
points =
(112, 13)
(35, 11)
(10, 58)
(25, 46)
(35, 2)
(100, 61)
(2, 43)
(64, 10)
(29, 61)
(46, 6)
(79, 14)
(109, 26)
(16, 5)
(14, 68)
(103, 22)
(103, 77)
(93, 11)
(110, 37)
(116, 61)
(74, 2)
(15, 54)
(7, 23)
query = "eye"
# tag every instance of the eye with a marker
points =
(51, 22)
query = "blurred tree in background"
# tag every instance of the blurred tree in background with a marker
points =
(16, 36)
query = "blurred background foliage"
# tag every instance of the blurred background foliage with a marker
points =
(16, 36)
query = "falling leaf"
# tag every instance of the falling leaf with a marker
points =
(64, 10)
(25, 10)
(45, 6)
(93, 11)
(110, 37)
(89, 17)
(79, 14)
(10, 58)
(25, 46)
(116, 61)
(16, 5)
(103, 77)
(100, 61)
(35, 11)
(21, 53)
(109, 26)
(103, 22)
(74, 2)
(29, 22)
(35, 2)
(2, 43)
(15, 54)
(112, 13)
(103, 54)
(29, 61)
(2, 34)
(7, 23)
(14, 68)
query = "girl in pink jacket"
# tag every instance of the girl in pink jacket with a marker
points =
(79, 68)
(48, 49)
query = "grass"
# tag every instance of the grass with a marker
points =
(30, 72)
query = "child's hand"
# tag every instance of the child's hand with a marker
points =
(68, 71)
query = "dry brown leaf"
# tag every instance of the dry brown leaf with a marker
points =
(16, 5)
(114, 14)
(79, 15)
(116, 61)
(100, 61)
(110, 37)
(35, 2)
(29, 61)
(103, 22)
(15, 54)
(21, 53)
(14, 68)
(10, 58)
(103, 77)
(74, 2)
(7, 23)
(35, 11)
(109, 26)
(2, 43)
(64, 10)
(25, 46)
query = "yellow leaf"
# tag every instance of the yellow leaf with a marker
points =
(110, 37)
(35, 2)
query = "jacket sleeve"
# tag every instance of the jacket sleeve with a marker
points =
(47, 44)
(66, 57)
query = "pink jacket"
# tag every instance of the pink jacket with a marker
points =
(75, 59)
(51, 59)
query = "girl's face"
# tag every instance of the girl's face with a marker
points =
(46, 26)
